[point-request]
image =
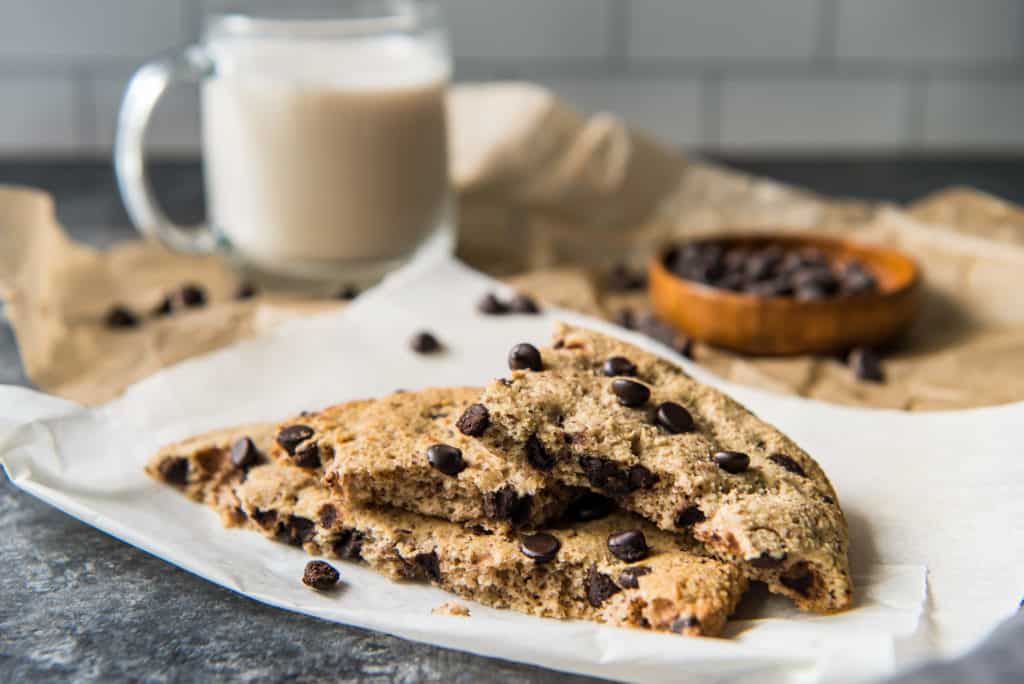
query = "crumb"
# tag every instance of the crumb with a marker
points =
(451, 608)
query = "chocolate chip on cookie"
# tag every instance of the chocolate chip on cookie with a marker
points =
(629, 546)
(684, 622)
(523, 304)
(320, 575)
(506, 504)
(524, 356)
(590, 506)
(430, 565)
(731, 461)
(630, 392)
(307, 456)
(174, 470)
(474, 420)
(603, 473)
(244, 453)
(788, 464)
(541, 546)
(446, 458)
(327, 515)
(349, 545)
(296, 530)
(767, 561)
(673, 417)
(424, 343)
(537, 455)
(192, 295)
(618, 365)
(292, 436)
(691, 515)
(120, 317)
(640, 477)
(628, 576)
(600, 587)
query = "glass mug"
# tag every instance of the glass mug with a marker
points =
(324, 139)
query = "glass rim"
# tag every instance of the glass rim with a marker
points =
(407, 18)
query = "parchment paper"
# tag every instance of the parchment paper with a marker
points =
(550, 199)
(88, 462)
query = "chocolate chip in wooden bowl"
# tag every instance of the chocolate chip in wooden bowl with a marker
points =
(866, 365)
(292, 436)
(174, 470)
(120, 317)
(524, 356)
(731, 461)
(673, 417)
(631, 393)
(491, 305)
(618, 365)
(446, 459)
(424, 343)
(474, 421)
(246, 290)
(688, 516)
(628, 576)
(590, 506)
(629, 546)
(537, 456)
(192, 295)
(784, 461)
(540, 546)
(244, 453)
(523, 304)
(600, 587)
(320, 575)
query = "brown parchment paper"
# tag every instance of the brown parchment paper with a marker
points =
(548, 199)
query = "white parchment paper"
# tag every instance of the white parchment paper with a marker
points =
(930, 490)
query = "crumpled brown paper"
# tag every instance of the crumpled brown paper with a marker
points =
(549, 199)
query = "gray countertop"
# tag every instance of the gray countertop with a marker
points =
(76, 604)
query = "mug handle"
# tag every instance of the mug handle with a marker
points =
(145, 89)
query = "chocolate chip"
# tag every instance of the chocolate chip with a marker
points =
(605, 474)
(264, 519)
(629, 546)
(192, 295)
(866, 365)
(788, 463)
(799, 578)
(430, 565)
(731, 461)
(673, 417)
(320, 575)
(640, 477)
(244, 453)
(297, 530)
(446, 458)
(630, 393)
(536, 455)
(327, 515)
(541, 546)
(307, 456)
(523, 304)
(174, 470)
(618, 365)
(424, 343)
(590, 506)
(348, 293)
(766, 561)
(120, 317)
(686, 517)
(292, 436)
(490, 305)
(684, 622)
(246, 290)
(628, 576)
(349, 545)
(600, 587)
(828, 499)
(506, 504)
(480, 531)
(474, 420)
(524, 356)
(164, 308)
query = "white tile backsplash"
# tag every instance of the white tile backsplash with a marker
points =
(729, 30)
(783, 75)
(923, 31)
(962, 112)
(73, 30)
(813, 114)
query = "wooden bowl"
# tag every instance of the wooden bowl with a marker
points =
(784, 325)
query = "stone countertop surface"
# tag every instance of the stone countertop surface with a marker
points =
(76, 604)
